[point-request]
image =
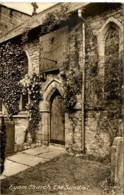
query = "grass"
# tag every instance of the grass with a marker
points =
(60, 176)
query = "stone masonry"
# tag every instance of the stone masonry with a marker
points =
(10, 18)
(97, 139)
(117, 162)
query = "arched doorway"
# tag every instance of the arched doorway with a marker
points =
(57, 119)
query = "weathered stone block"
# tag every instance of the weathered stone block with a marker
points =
(77, 130)
(116, 141)
(69, 138)
(44, 106)
(113, 160)
(119, 163)
(20, 129)
(45, 137)
(39, 135)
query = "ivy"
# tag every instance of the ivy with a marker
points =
(72, 87)
(103, 91)
(72, 81)
(11, 70)
(54, 19)
(31, 85)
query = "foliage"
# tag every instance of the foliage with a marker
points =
(113, 68)
(72, 86)
(11, 72)
(2, 143)
(103, 87)
(11, 69)
(31, 84)
(94, 80)
(72, 79)
(54, 18)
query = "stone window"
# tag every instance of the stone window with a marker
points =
(25, 65)
(24, 98)
(24, 102)
(110, 47)
(111, 72)
(114, 26)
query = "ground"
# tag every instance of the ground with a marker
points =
(63, 175)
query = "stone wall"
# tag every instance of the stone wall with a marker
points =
(117, 171)
(73, 128)
(97, 21)
(72, 122)
(99, 132)
(10, 18)
(33, 54)
(21, 124)
(97, 137)
(16, 130)
(53, 49)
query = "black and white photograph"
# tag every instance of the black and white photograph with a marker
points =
(61, 98)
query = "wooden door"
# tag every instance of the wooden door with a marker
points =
(57, 133)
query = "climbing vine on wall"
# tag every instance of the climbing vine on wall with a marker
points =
(72, 81)
(54, 19)
(31, 85)
(103, 87)
(113, 68)
(11, 70)
(108, 82)
(72, 87)
(94, 80)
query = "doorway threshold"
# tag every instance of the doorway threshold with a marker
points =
(56, 145)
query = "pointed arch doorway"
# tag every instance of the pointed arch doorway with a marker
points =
(57, 119)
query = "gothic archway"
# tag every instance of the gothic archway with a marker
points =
(52, 111)
(112, 66)
(111, 22)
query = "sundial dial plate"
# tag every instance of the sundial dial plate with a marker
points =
(53, 46)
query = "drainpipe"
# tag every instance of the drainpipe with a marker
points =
(83, 79)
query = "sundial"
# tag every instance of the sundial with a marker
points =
(52, 41)
(53, 46)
